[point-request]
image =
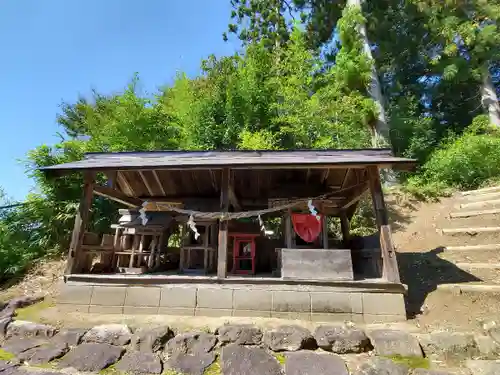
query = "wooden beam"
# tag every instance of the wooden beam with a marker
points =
(324, 175)
(288, 230)
(390, 270)
(324, 231)
(160, 185)
(81, 223)
(357, 195)
(475, 213)
(146, 183)
(345, 226)
(117, 196)
(346, 176)
(122, 180)
(111, 176)
(213, 179)
(223, 226)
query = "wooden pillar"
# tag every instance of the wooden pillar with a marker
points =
(288, 230)
(324, 231)
(390, 270)
(345, 226)
(223, 225)
(81, 223)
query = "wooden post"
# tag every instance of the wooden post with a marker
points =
(223, 225)
(288, 230)
(390, 270)
(81, 222)
(324, 230)
(345, 226)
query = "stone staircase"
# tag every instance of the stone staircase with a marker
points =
(473, 241)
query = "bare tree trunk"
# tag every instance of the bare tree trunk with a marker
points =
(380, 137)
(489, 99)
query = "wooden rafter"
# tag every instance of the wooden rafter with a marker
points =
(346, 177)
(122, 180)
(117, 196)
(213, 179)
(146, 183)
(324, 175)
(160, 185)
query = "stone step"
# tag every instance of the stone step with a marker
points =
(481, 197)
(471, 254)
(472, 287)
(482, 191)
(479, 272)
(469, 230)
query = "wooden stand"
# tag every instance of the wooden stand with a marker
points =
(207, 247)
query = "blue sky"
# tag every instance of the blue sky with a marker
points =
(54, 50)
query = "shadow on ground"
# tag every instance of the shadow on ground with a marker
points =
(423, 272)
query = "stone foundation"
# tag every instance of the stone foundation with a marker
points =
(358, 303)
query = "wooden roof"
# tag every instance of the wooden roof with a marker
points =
(258, 178)
(233, 159)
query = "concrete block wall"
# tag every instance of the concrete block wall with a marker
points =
(321, 304)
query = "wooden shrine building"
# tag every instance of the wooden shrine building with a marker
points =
(234, 233)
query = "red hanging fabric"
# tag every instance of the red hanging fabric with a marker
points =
(307, 226)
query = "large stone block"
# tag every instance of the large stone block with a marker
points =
(178, 296)
(75, 294)
(316, 264)
(143, 296)
(336, 302)
(214, 313)
(108, 296)
(258, 300)
(384, 304)
(291, 301)
(214, 298)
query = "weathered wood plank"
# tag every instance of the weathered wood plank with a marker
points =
(124, 184)
(117, 196)
(288, 230)
(324, 231)
(223, 226)
(480, 204)
(494, 246)
(146, 183)
(81, 223)
(481, 197)
(158, 182)
(390, 269)
(345, 227)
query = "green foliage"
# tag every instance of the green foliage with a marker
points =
(411, 362)
(6, 356)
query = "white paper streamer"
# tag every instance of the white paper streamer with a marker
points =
(261, 223)
(192, 225)
(312, 209)
(142, 213)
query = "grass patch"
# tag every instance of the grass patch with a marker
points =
(214, 368)
(51, 365)
(6, 356)
(171, 372)
(32, 313)
(280, 358)
(111, 370)
(412, 362)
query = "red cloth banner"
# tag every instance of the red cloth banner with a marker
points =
(307, 226)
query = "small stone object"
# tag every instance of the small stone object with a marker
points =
(478, 367)
(28, 371)
(389, 342)
(71, 336)
(151, 339)
(112, 334)
(243, 334)
(43, 353)
(91, 357)
(488, 348)
(494, 331)
(342, 339)
(29, 329)
(139, 363)
(8, 367)
(241, 360)
(381, 366)
(311, 363)
(449, 345)
(17, 345)
(289, 338)
(189, 364)
(24, 301)
(192, 343)
(4, 322)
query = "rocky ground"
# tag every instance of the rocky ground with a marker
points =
(341, 349)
